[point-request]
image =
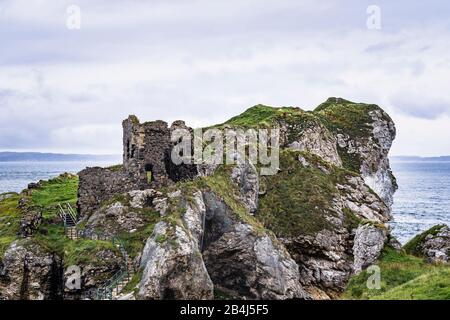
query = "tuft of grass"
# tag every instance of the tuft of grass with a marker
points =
(343, 116)
(348, 118)
(9, 222)
(298, 199)
(115, 168)
(403, 276)
(62, 189)
(412, 246)
(134, 282)
(134, 242)
(83, 252)
(221, 184)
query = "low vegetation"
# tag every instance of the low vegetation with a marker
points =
(9, 221)
(403, 277)
(412, 246)
(51, 193)
(298, 199)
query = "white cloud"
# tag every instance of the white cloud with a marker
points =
(205, 61)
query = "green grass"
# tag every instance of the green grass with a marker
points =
(134, 242)
(346, 117)
(403, 276)
(412, 246)
(83, 252)
(51, 236)
(131, 286)
(298, 199)
(9, 222)
(62, 189)
(336, 114)
(220, 183)
(258, 115)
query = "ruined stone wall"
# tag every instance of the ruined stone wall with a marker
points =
(146, 148)
(97, 185)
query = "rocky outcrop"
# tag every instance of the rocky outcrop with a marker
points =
(298, 234)
(28, 272)
(126, 214)
(247, 263)
(29, 222)
(362, 201)
(92, 274)
(213, 248)
(370, 153)
(317, 140)
(246, 177)
(173, 266)
(433, 244)
(368, 243)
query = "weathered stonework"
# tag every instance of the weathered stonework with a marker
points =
(97, 185)
(146, 164)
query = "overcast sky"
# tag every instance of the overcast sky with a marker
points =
(203, 61)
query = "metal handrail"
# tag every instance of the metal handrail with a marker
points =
(106, 290)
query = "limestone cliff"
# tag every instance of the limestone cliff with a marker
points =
(204, 232)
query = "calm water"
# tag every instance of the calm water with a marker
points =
(423, 198)
(15, 176)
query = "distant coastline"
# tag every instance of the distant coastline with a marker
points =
(419, 159)
(49, 157)
(9, 156)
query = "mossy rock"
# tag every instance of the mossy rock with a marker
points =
(299, 199)
(413, 246)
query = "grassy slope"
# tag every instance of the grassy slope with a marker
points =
(336, 114)
(298, 199)
(296, 196)
(404, 277)
(9, 222)
(50, 234)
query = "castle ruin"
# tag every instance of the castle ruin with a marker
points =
(146, 164)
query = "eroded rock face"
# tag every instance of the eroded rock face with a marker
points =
(368, 243)
(324, 260)
(326, 256)
(30, 273)
(357, 196)
(122, 216)
(213, 248)
(173, 267)
(372, 151)
(29, 222)
(435, 247)
(248, 264)
(318, 141)
(246, 177)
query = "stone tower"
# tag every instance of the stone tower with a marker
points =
(146, 164)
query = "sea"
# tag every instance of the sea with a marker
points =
(422, 200)
(15, 176)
